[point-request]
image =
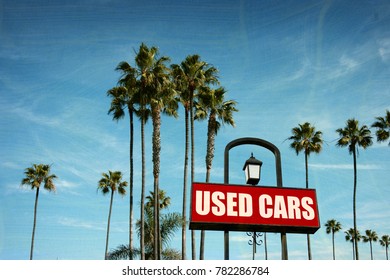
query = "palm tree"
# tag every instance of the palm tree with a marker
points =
(169, 223)
(138, 81)
(111, 182)
(354, 136)
(332, 226)
(163, 200)
(382, 125)
(353, 236)
(159, 95)
(306, 138)
(370, 236)
(385, 242)
(35, 176)
(212, 104)
(188, 77)
(121, 98)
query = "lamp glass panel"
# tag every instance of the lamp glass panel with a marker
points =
(254, 171)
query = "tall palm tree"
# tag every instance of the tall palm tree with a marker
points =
(370, 236)
(306, 138)
(35, 176)
(111, 182)
(382, 126)
(159, 94)
(211, 103)
(332, 226)
(354, 136)
(121, 98)
(136, 80)
(385, 242)
(354, 237)
(169, 223)
(189, 76)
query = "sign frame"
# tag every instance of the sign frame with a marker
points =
(201, 222)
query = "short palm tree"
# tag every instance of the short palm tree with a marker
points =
(163, 200)
(370, 236)
(354, 136)
(385, 242)
(35, 176)
(169, 223)
(382, 126)
(305, 138)
(111, 182)
(354, 237)
(333, 226)
(212, 104)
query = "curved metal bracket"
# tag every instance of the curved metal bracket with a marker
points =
(279, 183)
(258, 142)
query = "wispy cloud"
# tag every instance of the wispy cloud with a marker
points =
(322, 166)
(79, 224)
(10, 165)
(345, 65)
(67, 187)
(384, 49)
(26, 114)
(299, 73)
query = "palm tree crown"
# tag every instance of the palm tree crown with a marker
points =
(112, 182)
(212, 103)
(354, 136)
(332, 226)
(38, 174)
(382, 125)
(306, 138)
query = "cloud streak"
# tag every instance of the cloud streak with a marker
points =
(322, 166)
(69, 222)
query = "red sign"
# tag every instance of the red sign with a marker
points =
(253, 208)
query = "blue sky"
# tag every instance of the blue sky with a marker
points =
(284, 62)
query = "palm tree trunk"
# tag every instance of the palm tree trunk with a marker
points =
(307, 186)
(334, 254)
(372, 257)
(193, 245)
(184, 211)
(156, 118)
(108, 225)
(209, 161)
(131, 185)
(142, 241)
(307, 169)
(34, 224)
(354, 202)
